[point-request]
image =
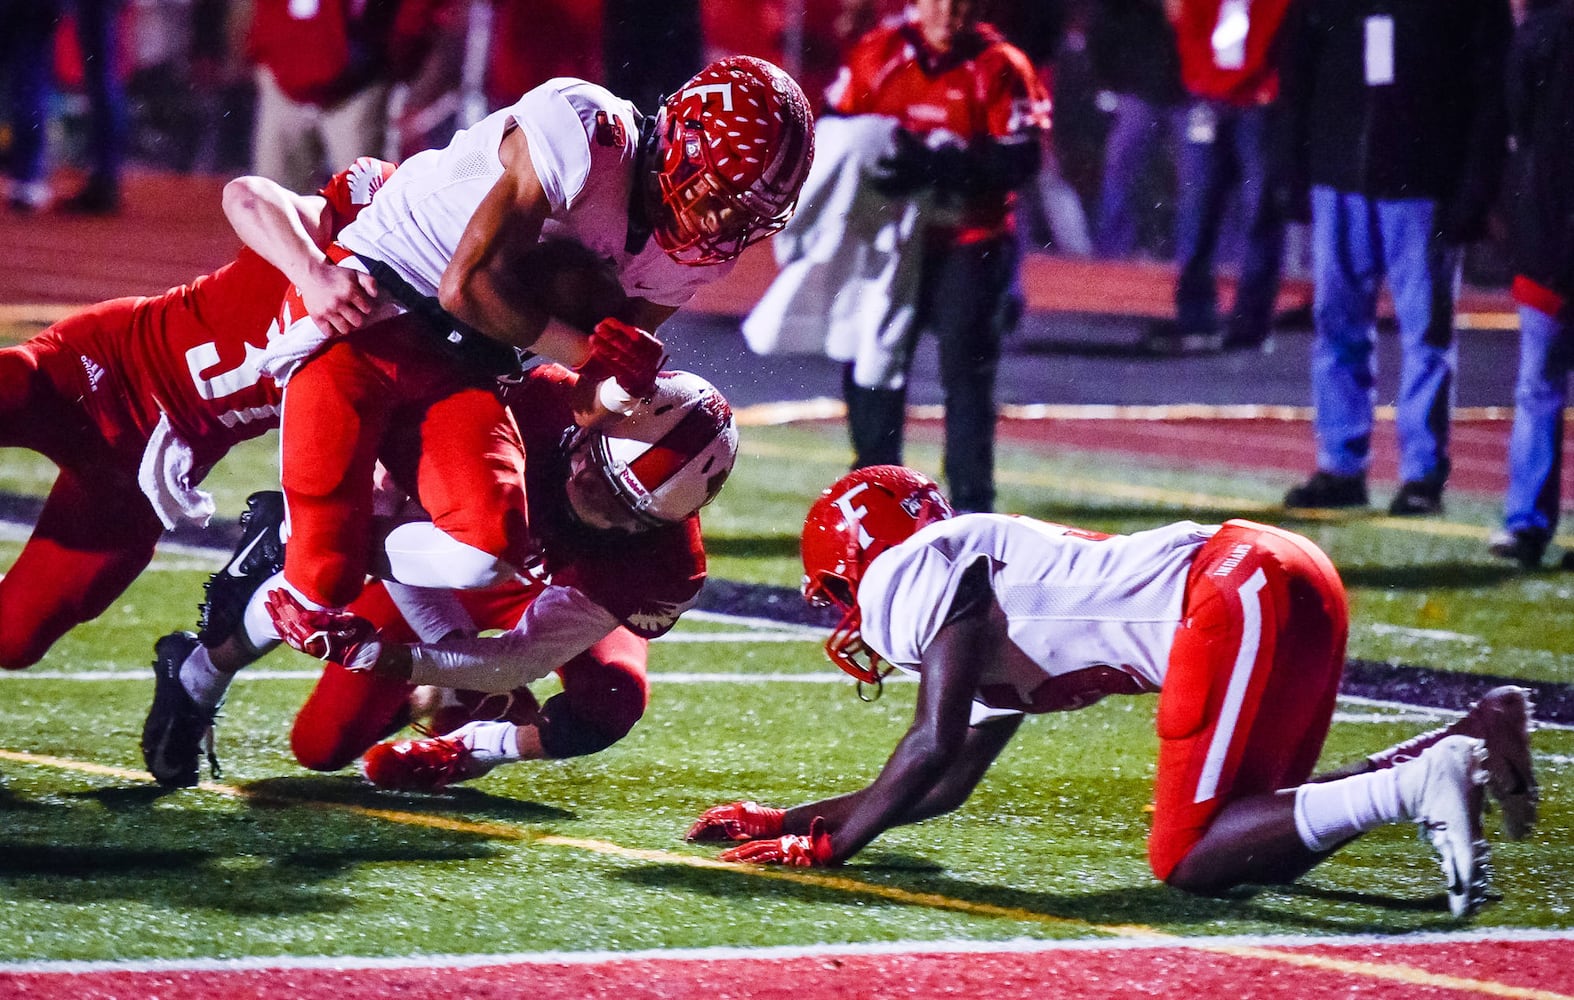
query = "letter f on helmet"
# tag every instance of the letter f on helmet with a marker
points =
(861, 515)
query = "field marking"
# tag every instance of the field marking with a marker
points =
(1165, 496)
(1392, 972)
(828, 408)
(777, 953)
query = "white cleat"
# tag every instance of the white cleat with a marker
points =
(1445, 790)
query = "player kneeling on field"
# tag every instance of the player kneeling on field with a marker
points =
(1240, 627)
(615, 512)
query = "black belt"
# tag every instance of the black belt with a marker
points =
(458, 339)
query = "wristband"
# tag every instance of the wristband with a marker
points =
(614, 397)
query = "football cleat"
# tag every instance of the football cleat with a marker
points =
(1444, 789)
(422, 765)
(258, 556)
(176, 731)
(1502, 719)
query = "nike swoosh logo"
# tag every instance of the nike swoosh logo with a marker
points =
(233, 569)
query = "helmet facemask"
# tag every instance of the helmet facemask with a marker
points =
(736, 142)
(859, 517)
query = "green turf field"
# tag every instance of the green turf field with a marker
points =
(586, 854)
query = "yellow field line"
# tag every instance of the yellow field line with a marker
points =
(500, 831)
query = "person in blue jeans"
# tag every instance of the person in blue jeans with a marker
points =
(27, 48)
(1136, 68)
(1540, 213)
(27, 54)
(1225, 146)
(1226, 128)
(1395, 127)
(98, 35)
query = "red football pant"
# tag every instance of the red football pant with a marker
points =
(1252, 679)
(96, 532)
(605, 690)
(384, 393)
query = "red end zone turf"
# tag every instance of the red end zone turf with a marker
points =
(1536, 968)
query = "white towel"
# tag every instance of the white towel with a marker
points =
(165, 478)
(849, 263)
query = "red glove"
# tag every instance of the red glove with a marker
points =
(336, 636)
(737, 821)
(626, 353)
(811, 850)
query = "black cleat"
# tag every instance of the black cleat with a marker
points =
(1327, 491)
(1417, 498)
(258, 556)
(176, 731)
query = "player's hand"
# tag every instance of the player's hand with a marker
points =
(340, 637)
(737, 821)
(626, 353)
(810, 850)
(340, 299)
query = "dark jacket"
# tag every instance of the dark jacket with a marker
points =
(1132, 47)
(1539, 189)
(1437, 130)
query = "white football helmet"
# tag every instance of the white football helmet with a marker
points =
(661, 463)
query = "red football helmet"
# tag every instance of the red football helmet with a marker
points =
(860, 516)
(736, 144)
(660, 464)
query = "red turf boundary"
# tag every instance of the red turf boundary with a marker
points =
(1397, 969)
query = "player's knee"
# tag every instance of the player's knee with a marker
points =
(318, 750)
(576, 726)
(21, 647)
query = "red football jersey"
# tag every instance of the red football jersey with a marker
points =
(647, 592)
(982, 87)
(193, 351)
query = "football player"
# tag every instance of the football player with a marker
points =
(1240, 627)
(666, 202)
(135, 400)
(614, 509)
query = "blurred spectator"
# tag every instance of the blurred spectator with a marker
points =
(98, 26)
(324, 72)
(533, 41)
(1049, 206)
(650, 47)
(27, 54)
(1540, 208)
(1396, 126)
(1137, 71)
(1227, 66)
(971, 114)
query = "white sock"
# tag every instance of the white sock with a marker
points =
(256, 622)
(490, 743)
(433, 614)
(206, 684)
(1331, 812)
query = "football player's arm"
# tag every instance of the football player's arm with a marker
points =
(558, 625)
(478, 285)
(940, 758)
(289, 231)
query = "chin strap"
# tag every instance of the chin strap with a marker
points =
(639, 227)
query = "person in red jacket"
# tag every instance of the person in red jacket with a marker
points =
(324, 69)
(972, 117)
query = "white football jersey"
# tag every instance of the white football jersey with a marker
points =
(1086, 614)
(582, 143)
